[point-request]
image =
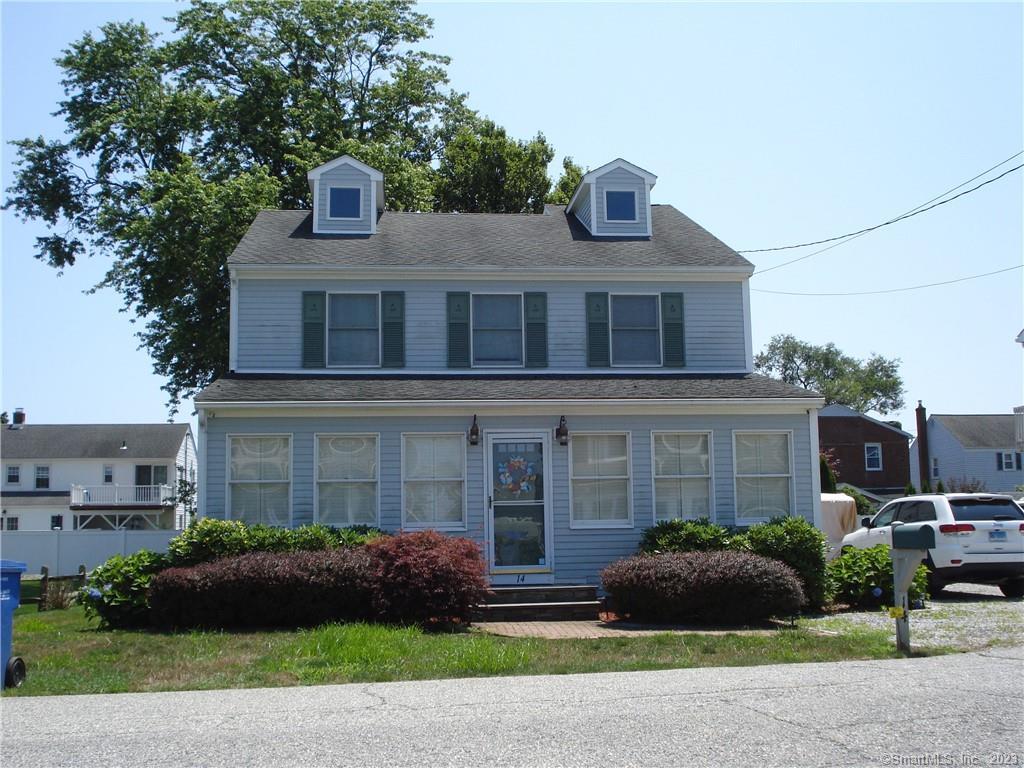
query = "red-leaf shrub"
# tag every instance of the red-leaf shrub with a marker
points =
(426, 578)
(713, 587)
(265, 589)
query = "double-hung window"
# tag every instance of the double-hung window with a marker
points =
(346, 479)
(12, 523)
(353, 330)
(497, 330)
(14, 474)
(682, 475)
(763, 475)
(42, 477)
(620, 205)
(636, 330)
(259, 483)
(345, 203)
(873, 457)
(108, 474)
(434, 481)
(1006, 460)
(599, 479)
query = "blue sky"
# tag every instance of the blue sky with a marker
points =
(767, 124)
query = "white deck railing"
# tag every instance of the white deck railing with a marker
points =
(121, 495)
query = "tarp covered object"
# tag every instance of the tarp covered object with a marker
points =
(838, 518)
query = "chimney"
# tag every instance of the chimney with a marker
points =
(923, 459)
(19, 416)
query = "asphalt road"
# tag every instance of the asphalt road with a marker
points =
(951, 710)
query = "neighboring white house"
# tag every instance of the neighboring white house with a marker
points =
(970, 447)
(94, 476)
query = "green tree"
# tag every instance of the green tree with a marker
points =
(563, 190)
(864, 385)
(171, 146)
(828, 479)
(482, 169)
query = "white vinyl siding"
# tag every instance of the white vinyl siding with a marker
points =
(599, 479)
(433, 481)
(682, 475)
(259, 481)
(764, 475)
(347, 478)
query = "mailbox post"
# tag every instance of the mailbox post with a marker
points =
(910, 545)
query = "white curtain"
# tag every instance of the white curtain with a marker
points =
(433, 476)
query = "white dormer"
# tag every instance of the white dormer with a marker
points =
(347, 196)
(615, 200)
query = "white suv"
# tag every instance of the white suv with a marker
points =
(979, 537)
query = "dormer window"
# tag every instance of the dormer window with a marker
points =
(345, 203)
(353, 330)
(620, 205)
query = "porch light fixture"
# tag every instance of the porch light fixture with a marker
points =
(474, 432)
(562, 432)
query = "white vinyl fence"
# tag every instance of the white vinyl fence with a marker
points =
(63, 551)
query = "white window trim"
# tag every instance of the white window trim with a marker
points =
(592, 524)
(104, 474)
(747, 521)
(1009, 461)
(636, 206)
(360, 217)
(17, 523)
(868, 468)
(227, 474)
(710, 476)
(406, 525)
(522, 331)
(36, 476)
(611, 333)
(7, 474)
(316, 471)
(327, 330)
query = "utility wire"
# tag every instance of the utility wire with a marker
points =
(912, 212)
(892, 290)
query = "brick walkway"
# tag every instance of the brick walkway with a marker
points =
(591, 630)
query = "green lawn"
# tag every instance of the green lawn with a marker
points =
(66, 655)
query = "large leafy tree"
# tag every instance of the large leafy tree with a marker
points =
(566, 185)
(172, 144)
(482, 169)
(873, 384)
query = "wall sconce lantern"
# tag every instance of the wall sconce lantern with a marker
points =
(474, 432)
(562, 432)
(124, 445)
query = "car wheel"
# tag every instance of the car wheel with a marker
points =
(1013, 588)
(935, 584)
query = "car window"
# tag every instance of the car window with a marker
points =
(885, 516)
(916, 512)
(968, 510)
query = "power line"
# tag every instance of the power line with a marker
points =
(912, 212)
(893, 290)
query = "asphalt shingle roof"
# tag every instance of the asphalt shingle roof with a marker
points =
(310, 388)
(91, 441)
(980, 431)
(483, 240)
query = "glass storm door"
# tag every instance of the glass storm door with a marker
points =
(518, 512)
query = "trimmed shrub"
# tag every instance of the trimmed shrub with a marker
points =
(264, 589)
(210, 539)
(798, 544)
(862, 578)
(713, 587)
(684, 536)
(115, 592)
(426, 578)
(828, 477)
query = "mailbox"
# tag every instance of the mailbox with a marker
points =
(913, 537)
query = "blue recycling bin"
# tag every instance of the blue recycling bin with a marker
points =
(10, 596)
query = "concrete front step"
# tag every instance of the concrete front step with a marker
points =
(554, 611)
(544, 593)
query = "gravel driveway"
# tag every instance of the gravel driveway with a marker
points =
(963, 616)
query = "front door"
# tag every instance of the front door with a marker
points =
(519, 508)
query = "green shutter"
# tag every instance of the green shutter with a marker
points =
(458, 330)
(392, 313)
(536, 311)
(314, 329)
(598, 353)
(673, 336)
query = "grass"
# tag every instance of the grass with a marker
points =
(67, 655)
